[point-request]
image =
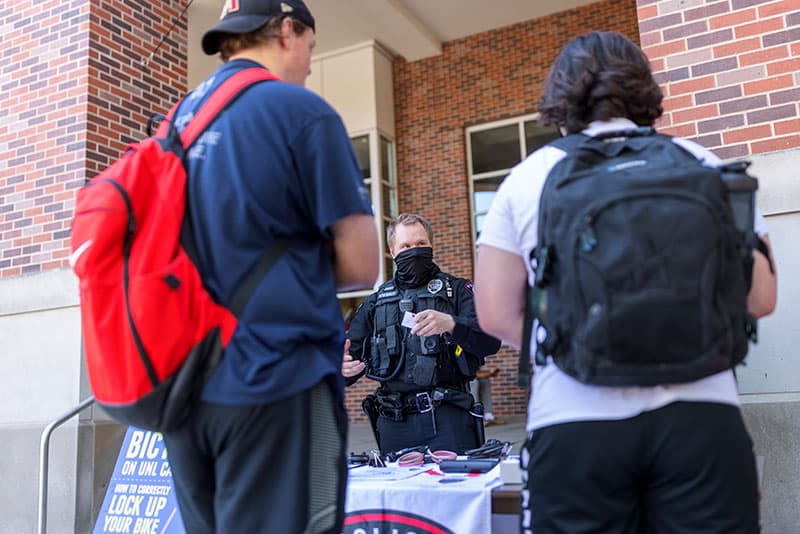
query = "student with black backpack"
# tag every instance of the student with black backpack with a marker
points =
(620, 251)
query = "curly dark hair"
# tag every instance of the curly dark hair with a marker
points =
(600, 76)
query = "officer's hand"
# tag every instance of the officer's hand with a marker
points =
(433, 323)
(350, 367)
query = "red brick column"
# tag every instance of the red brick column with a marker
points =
(729, 71)
(73, 94)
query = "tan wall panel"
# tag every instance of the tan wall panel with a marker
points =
(384, 92)
(348, 83)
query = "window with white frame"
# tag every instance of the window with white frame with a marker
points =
(375, 154)
(388, 197)
(382, 185)
(492, 150)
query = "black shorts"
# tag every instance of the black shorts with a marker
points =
(262, 469)
(688, 467)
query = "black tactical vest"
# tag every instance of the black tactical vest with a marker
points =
(396, 355)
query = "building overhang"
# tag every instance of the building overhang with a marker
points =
(413, 29)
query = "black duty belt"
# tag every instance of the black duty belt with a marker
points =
(421, 402)
(396, 405)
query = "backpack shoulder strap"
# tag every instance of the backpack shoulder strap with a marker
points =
(226, 93)
(254, 277)
(223, 96)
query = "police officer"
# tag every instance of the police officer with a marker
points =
(418, 336)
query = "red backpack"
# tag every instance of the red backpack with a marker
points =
(152, 333)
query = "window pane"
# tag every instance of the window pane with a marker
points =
(479, 224)
(388, 262)
(389, 199)
(388, 192)
(387, 161)
(361, 148)
(483, 201)
(495, 149)
(484, 191)
(489, 184)
(537, 135)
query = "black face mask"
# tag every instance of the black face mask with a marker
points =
(415, 266)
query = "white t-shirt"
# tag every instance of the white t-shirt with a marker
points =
(556, 397)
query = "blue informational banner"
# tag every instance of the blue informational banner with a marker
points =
(140, 498)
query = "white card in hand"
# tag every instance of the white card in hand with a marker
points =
(409, 319)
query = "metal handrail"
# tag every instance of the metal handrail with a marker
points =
(44, 459)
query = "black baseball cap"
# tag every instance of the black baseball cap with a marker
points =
(244, 16)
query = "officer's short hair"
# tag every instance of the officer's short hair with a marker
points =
(407, 219)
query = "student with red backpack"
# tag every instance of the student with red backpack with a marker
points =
(621, 244)
(264, 451)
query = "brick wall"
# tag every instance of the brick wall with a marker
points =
(73, 94)
(481, 78)
(43, 58)
(729, 69)
(124, 91)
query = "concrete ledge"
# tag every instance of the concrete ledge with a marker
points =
(779, 181)
(775, 429)
(38, 292)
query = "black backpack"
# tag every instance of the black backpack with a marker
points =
(642, 264)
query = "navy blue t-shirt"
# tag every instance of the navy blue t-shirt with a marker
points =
(277, 163)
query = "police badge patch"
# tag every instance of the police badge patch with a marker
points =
(434, 286)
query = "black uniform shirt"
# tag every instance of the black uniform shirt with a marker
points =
(466, 333)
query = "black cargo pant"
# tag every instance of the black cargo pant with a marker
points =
(446, 427)
(262, 469)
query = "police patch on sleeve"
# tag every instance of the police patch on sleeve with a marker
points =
(434, 286)
(468, 286)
